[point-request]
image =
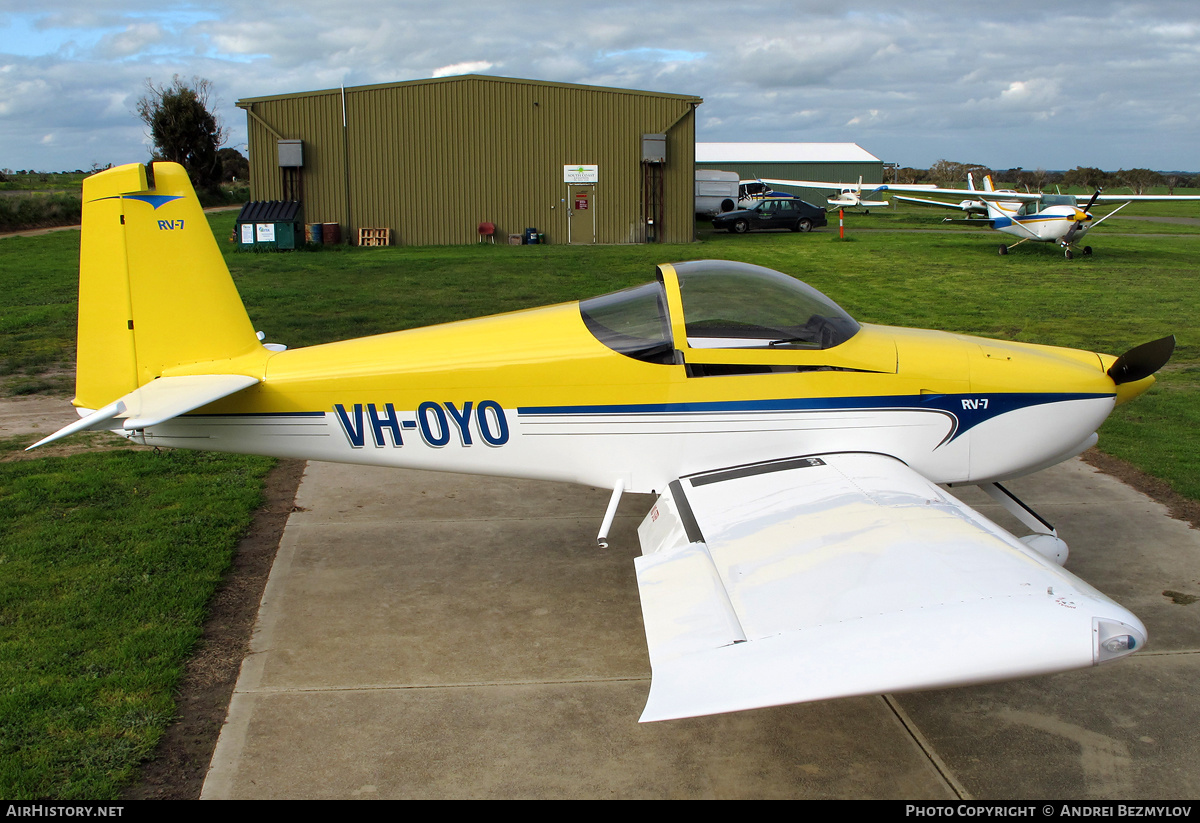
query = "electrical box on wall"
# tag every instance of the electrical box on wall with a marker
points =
(654, 148)
(291, 153)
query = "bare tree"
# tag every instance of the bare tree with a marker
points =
(945, 172)
(1139, 179)
(1033, 180)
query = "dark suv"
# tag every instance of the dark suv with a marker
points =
(772, 213)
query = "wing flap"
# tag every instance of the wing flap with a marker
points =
(843, 575)
(156, 402)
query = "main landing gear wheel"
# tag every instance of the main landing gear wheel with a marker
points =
(1003, 250)
(1087, 251)
(741, 227)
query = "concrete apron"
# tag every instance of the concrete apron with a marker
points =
(430, 635)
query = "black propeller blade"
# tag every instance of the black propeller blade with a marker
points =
(1142, 361)
(1092, 202)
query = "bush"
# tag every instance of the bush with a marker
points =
(35, 211)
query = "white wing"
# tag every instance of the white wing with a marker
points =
(1136, 198)
(916, 188)
(928, 189)
(866, 187)
(848, 574)
(962, 205)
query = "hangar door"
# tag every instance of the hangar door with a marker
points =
(582, 182)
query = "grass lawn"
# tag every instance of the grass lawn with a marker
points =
(107, 559)
(107, 563)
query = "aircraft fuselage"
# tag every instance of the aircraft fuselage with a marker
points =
(536, 394)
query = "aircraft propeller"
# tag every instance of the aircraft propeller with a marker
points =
(1081, 216)
(1142, 361)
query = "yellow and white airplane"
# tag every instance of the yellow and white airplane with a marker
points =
(800, 547)
(1046, 218)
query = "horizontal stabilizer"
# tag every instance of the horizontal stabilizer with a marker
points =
(848, 574)
(99, 419)
(156, 402)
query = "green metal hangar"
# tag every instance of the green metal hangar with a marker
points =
(434, 160)
(822, 162)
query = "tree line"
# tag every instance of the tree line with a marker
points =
(948, 173)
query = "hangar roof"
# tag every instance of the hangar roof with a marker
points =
(475, 78)
(783, 153)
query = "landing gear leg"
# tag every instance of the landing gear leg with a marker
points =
(1044, 540)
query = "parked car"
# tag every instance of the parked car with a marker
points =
(773, 213)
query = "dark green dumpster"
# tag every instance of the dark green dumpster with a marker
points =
(269, 224)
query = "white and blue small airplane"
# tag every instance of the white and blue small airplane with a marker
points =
(852, 197)
(1046, 218)
(800, 547)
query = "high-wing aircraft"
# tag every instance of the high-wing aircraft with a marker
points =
(1047, 218)
(852, 197)
(799, 548)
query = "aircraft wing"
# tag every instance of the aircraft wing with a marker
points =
(939, 203)
(1135, 198)
(866, 187)
(847, 574)
(975, 194)
(927, 189)
(915, 188)
(155, 402)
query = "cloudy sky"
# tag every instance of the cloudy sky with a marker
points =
(1031, 84)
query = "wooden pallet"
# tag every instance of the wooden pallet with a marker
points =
(374, 237)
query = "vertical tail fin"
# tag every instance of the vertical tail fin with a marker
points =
(154, 291)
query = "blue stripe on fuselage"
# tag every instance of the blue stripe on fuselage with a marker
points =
(969, 410)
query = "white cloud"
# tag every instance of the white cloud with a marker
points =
(1027, 93)
(470, 67)
(130, 41)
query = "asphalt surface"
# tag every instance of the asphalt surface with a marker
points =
(429, 635)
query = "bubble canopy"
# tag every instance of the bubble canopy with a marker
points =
(725, 305)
